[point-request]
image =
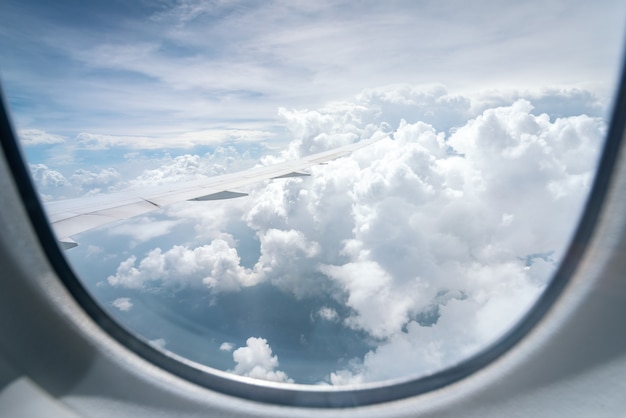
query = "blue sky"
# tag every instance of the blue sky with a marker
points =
(400, 260)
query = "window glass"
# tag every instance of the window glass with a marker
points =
(401, 259)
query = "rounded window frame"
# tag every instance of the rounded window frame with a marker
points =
(324, 396)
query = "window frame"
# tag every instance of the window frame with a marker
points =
(305, 396)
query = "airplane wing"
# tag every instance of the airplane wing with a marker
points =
(73, 216)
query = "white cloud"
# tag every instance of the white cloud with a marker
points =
(284, 254)
(81, 183)
(417, 219)
(171, 72)
(181, 168)
(382, 307)
(227, 346)
(256, 360)
(328, 314)
(214, 266)
(217, 266)
(138, 171)
(430, 224)
(46, 177)
(189, 167)
(88, 179)
(123, 304)
(33, 137)
(499, 296)
(452, 234)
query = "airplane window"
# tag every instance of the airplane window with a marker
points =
(171, 143)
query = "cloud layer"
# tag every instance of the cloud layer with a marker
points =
(436, 243)
(180, 74)
(428, 244)
(256, 360)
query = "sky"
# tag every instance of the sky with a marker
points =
(406, 257)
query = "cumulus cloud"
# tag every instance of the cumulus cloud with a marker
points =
(33, 137)
(328, 314)
(226, 346)
(427, 214)
(281, 251)
(123, 304)
(80, 182)
(469, 216)
(90, 179)
(47, 177)
(334, 125)
(214, 266)
(189, 167)
(138, 172)
(432, 240)
(181, 168)
(256, 360)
